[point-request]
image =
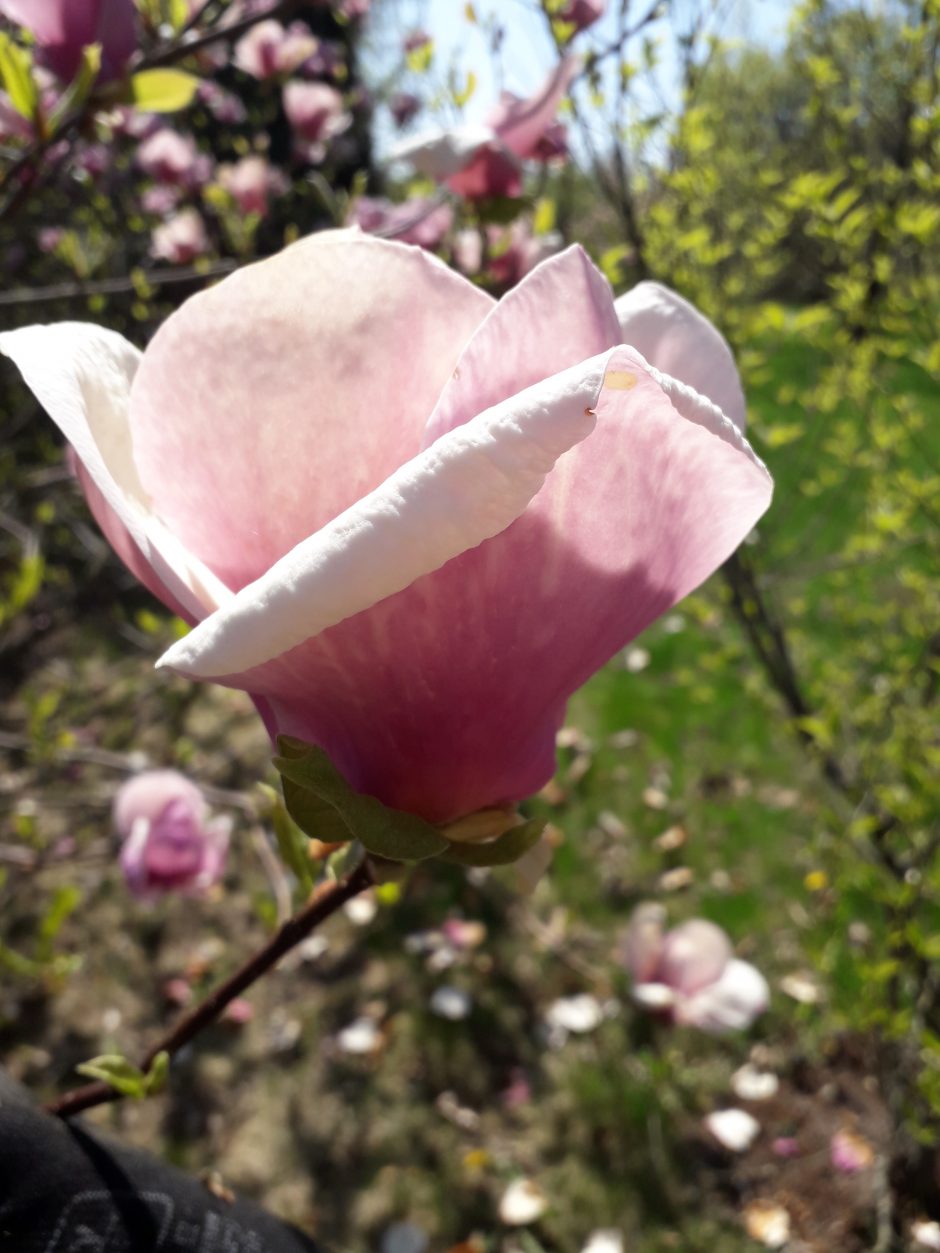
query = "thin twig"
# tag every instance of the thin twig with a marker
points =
(321, 906)
(78, 290)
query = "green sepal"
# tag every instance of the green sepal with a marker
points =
(502, 851)
(324, 806)
(79, 89)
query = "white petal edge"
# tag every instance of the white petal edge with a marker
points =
(467, 487)
(671, 333)
(81, 374)
(731, 1003)
(441, 153)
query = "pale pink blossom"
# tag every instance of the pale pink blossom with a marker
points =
(409, 520)
(170, 843)
(252, 182)
(268, 48)
(62, 28)
(482, 161)
(317, 114)
(224, 105)
(419, 221)
(691, 974)
(467, 251)
(181, 238)
(169, 157)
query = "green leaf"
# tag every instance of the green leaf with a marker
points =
(323, 805)
(118, 1073)
(290, 839)
(79, 88)
(163, 91)
(16, 71)
(156, 1077)
(502, 851)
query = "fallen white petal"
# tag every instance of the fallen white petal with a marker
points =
(523, 1202)
(751, 1084)
(577, 1014)
(452, 1003)
(360, 1037)
(734, 1129)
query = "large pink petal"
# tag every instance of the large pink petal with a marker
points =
(82, 375)
(673, 336)
(520, 124)
(269, 404)
(445, 697)
(561, 313)
(694, 955)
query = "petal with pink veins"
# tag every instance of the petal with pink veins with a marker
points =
(673, 336)
(267, 405)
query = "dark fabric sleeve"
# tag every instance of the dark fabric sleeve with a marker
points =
(65, 1189)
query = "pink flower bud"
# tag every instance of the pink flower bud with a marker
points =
(169, 842)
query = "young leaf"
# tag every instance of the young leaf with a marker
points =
(117, 1072)
(163, 91)
(290, 839)
(16, 71)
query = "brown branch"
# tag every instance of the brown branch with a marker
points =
(120, 285)
(324, 902)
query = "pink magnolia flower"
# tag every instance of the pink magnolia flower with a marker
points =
(583, 13)
(317, 114)
(269, 48)
(252, 182)
(169, 842)
(691, 973)
(420, 221)
(62, 28)
(483, 160)
(169, 157)
(410, 520)
(224, 105)
(181, 238)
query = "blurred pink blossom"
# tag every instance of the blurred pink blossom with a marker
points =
(169, 157)
(49, 238)
(504, 495)
(224, 105)
(317, 114)
(416, 40)
(252, 182)
(181, 238)
(420, 221)
(160, 199)
(467, 251)
(514, 251)
(170, 844)
(269, 48)
(482, 161)
(62, 28)
(691, 974)
(583, 13)
(403, 106)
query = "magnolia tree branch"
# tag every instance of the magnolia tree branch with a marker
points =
(324, 902)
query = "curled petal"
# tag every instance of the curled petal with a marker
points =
(694, 955)
(561, 313)
(731, 1003)
(344, 335)
(468, 487)
(678, 340)
(82, 376)
(643, 946)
